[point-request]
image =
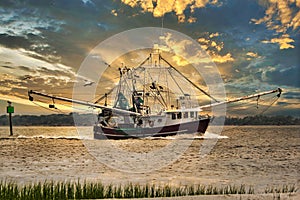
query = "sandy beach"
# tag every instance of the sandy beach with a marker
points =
(258, 156)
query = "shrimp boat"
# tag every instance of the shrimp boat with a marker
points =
(153, 99)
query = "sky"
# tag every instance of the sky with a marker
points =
(253, 43)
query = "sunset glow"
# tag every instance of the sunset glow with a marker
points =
(254, 44)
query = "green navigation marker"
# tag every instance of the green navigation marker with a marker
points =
(10, 109)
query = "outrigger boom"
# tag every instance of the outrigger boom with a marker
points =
(79, 102)
(279, 90)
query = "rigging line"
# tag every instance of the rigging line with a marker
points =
(158, 79)
(118, 92)
(142, 63)
(269, 106)
(168, 91)
(102, 97)
(161, 101)
(188, 79)
(111, 90)
(144, 87)
(227, 130)
(155, 96)
(175, 82)
(254, 108)
(235, 126)
(126, 82)
(158, 93)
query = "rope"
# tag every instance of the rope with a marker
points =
(229, 129)
(269, 106)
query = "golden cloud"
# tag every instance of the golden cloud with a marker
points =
(296, 20)
(162, 7)
(192, 20)
(283, 41)
(212, 35)
(208, 43)
(213, 48)
(281, 15)
(252, 55)
(222, 59)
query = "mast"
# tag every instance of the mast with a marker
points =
(111, 90)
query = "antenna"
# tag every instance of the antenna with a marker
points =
(162, 24)
(161, 37)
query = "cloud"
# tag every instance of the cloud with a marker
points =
(223, 59)
(179, 47)
(292, 95)
(281, 16)
(23, 22)
(283, 41)
(278, 75)
(250, 55)
(289, 100)
(213, 47)
(29, 72)
(7, 67)
(31, 59)
(161, 7)
(88, 2)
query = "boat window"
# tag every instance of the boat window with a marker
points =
(185, 114)
(179, 115)
(173, 116)
(192, 114)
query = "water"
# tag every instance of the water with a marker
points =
(81, 133)
(260, 156)
(48, 132)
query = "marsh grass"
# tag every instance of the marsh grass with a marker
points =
(282, 189)
(96, 190)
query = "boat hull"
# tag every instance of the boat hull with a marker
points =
(102, 132)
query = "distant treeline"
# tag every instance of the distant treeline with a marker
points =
(50, 120)
(90, 119)
(262, 120)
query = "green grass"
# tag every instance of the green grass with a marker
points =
(96, 190)
(282, 189)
